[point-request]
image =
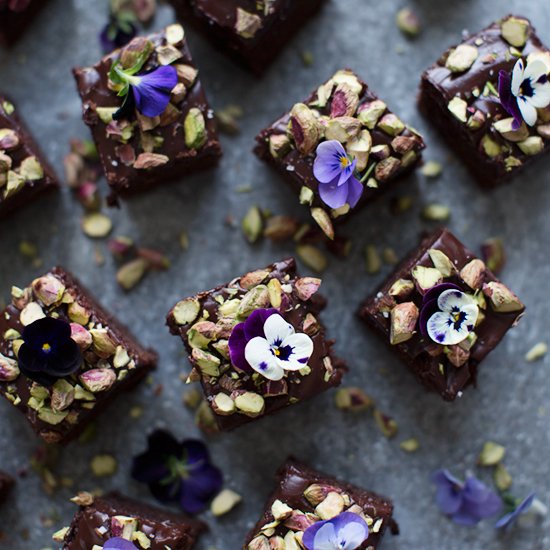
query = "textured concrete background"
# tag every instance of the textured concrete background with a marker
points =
(509, 405)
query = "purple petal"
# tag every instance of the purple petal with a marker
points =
(507, 99)
(327, 166)
(201, 487)
(343, 524)
(117, 543)
(512, 516)
(334, 195)
(479, 500)
(448, 496)
(254, 325)
(152, 93)
(195, 452)
(355, 190)
(435, 291)
(237, 345)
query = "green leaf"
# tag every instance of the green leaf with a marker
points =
(114, 74)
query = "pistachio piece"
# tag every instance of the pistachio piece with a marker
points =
(386, 424)
(331, 506)
(311, 325)
(436, 212)
(187, 74)
(186, 311)
(98, 380)
(342, 128)
(533, 145)
(432, 169)
(279, 145)
(306, 287)
(353, 399)
(344, 101)
(121, 358)
(208, 364)
(251, 404)
(323, 220)
(48, 289)
(402, 288)
(370, 113)
(223, 405)
(426, 277)
(490, 147)
(260, 542)
(247, 24)
(31, 313)
(304, 128)
(252, 224)
(81, 336)
(373, 263)
(441, 262)
(538, 351)
(224, 502)
(31, 169)
(137, 51)
(9, 139)
(174, 34)
(62, 395)
(505, 129)
(275, 292)
(9, 370)
(502, 298)
(387, 168)
(473, 273)
(543, 130)
(14, 183)
(346, 76)
(280, 228)
(515, 31)
(457, 355)
(407, 22)
(359, 148)
(410, 445)
(167, 54)
(253, 278)
(459, 108)
(103, 465)
(280, 510)
(404, 144)
(491, 454)
(59, 536)
(195, 129)
(403, 322)
(476, 120)
(306, 195)
(494, 255)
(257, 297)
(102, 343)
(502, 478)
(461, 58)
(131, 273)
(96, 225)
(391, 124)
(312, 257)
(51, 417)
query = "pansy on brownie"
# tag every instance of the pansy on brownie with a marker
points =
(115, 522)
(148, 112)
(314, 511)
(442, 311)
(257, 344)
(63, 358)
(490, 98)
(340, 148)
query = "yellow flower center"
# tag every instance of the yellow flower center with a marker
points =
(46, 347)
(344, 162)
(277, 352)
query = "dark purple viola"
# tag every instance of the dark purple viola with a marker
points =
(466, 503)
(117, 543)
(48, 352)
(178, 472)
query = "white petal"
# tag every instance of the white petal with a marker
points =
(451, 299)
(441, 329)
(535, 70)
(517, 76)
(259, 356)
(354, 534)
(325, 538)
(276, 329)
(302, 348)
(528, 112)
(541, 96)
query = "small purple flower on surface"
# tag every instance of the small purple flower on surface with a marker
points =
(269, 345)
(511, 517)
(180, 472)
(448, 315)
(347, 531)
(524, 91)
(117, 543)
(334, 171)
(48, 352)
(467, 503)
(116, 33)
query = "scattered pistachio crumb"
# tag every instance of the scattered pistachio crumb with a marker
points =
(184, 240)
(252, 224)
(538, 351)
(373, 262)
(228, 119)
(436, 212)
(432, 169)
(312, 257)
(136, 411)
(192, 398)
(408, 23)
(410, 445)
(353, 399)
(96, 225)
(386, 424)
(307, 58)
(502, 478)
(491, 454)
(103, 465)
(28, 249)
(225, 502)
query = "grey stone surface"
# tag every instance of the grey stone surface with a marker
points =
(510, 404)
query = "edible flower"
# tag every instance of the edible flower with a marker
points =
(467, 503)
(118, 543)
(269, 345)
(118, 31)
(335, 172)
(448, 315)
(526, 511)
(177, 471)
(346, 531)
(48, 352)
(524, 91)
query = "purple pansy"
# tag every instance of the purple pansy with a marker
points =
(511, 517)
(524, 91)
(447, 315)
(177, 471)
(335, 172)
(116, 33)
(467, 503)
(269, 345)
(117, 543)
(48, 352)
(347, 531)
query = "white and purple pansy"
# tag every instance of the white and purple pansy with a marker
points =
(335, 172)
(448, 315)
(524, 91)
(269, 345)
(347, 531)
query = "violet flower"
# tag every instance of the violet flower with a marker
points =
(335, 172)
(511, 517)
(117, 33)
(524, 91)
(269, 345)
(177, 471)
(447, 315)
(467, 503)
(118, 543)
(48, 352)
(347, 531)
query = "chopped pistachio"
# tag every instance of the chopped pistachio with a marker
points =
(502, 298)
(323, 220)
(533, 145)
(426, 277)
(407, 22)
(502, 478)
(247, 24)
(195, 129)
(353, 399)
(538, 351)
(252, 224)
(131, 273)
(515, 31)
(250, 403)
(186, 311)
(432, 169)
(491, 454)
(459, 108)
(224, 502)
(403, 322)
(312, 257)
(304, 128)
(490, 147)
(386, 424)
(96, 225)
(441, 262)
(373, 261)
(103, 465)
(461, 58)
(410, 445)
(436, 212)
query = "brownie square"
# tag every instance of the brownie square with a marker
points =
(395, 313)
(459, 95)
(138, 152)
(114, 515)
(342, 109)
(24, 172)
(311, 497)
(15, 16)
(6, 485)
(205, 323)
(112, 360)
(251, 32)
